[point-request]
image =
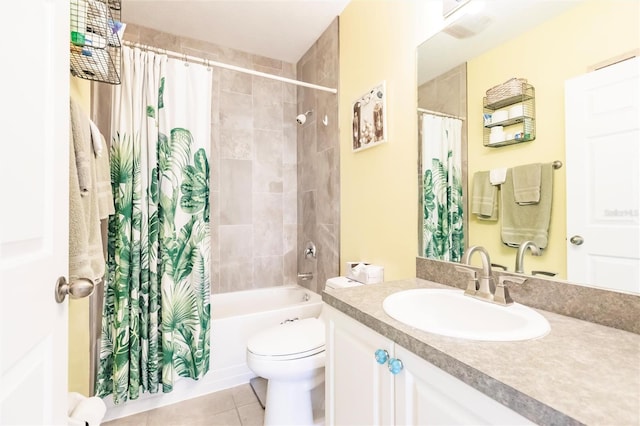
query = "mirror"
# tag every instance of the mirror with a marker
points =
(546, 43)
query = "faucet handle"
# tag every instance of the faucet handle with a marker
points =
(472, 283)
(497, 265)
(547, 273)
(501, 295)
(509, 279)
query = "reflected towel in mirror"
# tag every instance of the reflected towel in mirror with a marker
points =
(529, 221)
(484, 200)
(497, 176)
(526, 184)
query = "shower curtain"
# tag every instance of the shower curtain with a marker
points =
(442, 215)
(156, 314)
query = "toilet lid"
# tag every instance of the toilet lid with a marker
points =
(303, 337)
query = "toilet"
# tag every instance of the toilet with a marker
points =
(291, 356)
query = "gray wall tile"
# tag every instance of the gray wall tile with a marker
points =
(236, 202)
(318, 162)
(236, 244)
(267, 271)
(236, 125)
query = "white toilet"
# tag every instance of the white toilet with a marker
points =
(291, 357)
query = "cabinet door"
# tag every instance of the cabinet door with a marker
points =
(358, 391)
(426, 395)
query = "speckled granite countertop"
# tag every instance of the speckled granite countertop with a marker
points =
(580, 372)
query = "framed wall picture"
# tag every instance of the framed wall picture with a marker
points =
(369, 119)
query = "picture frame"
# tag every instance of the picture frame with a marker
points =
(369, 119)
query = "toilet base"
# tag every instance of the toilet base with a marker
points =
(290, 402)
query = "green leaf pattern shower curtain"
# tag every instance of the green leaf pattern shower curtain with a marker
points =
(442, 207)
(156, 317)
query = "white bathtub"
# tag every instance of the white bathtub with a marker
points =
(239, 315)
(235, 317)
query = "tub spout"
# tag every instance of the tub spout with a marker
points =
(305, 276)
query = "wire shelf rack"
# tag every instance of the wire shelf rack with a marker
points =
(95, 45)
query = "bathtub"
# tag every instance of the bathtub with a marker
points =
(235, 317)
(238, 315)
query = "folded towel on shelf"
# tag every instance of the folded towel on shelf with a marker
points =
(86, 255)
(484, 199)
(526, 183)
(497, 176)
(522, 222)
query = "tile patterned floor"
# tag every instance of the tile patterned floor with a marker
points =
(231, 407)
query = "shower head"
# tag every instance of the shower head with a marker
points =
(302, 118)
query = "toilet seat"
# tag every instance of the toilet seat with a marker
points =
(291, 340)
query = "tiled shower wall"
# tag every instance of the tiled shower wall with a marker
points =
(319, 161)
(253, 165)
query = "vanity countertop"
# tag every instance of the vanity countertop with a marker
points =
(580, 372)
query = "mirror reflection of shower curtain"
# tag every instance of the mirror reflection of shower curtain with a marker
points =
(442, 203)
(156, 315)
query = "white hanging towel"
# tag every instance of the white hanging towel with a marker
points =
(498, 176)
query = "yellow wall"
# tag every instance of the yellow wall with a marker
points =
(79, 308)
(379, 186)
(555, 51)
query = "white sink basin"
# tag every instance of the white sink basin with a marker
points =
(451, 313)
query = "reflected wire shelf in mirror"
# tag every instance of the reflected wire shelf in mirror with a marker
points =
(95, 45)
(510, 119)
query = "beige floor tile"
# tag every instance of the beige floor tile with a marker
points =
(212, 403)
(139, 419)
(232, 407)
(193, 411)
(243, 395)
(251, 414)
(226, 418)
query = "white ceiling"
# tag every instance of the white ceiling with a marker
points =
(279, 29)
(497, 22)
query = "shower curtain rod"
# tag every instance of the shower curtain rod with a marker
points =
(439, 114)
(211, 63)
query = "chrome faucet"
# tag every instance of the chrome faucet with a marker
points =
(484, 287)
(535, 250)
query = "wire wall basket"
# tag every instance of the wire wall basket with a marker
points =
(95, 46)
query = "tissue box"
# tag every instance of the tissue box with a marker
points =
(364, 272)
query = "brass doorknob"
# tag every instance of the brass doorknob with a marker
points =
(576, 240)
(77, 289)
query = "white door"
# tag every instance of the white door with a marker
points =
(358, 390)
(34, 83)
(603, 181)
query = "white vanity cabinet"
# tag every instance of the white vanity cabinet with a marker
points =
(360, 391)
